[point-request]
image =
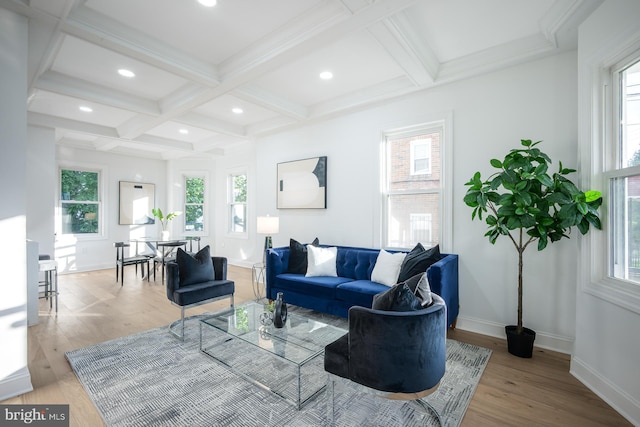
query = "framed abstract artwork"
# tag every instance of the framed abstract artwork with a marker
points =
(136, 201)
(302, 184)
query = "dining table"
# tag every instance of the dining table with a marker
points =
(161, 251)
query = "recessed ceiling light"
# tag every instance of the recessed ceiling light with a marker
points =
(237, 110)
(208, 3)
(126, 73)
(85, 109)
(326, 75)
(184, 131)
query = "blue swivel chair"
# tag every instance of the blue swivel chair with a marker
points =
(399, 355)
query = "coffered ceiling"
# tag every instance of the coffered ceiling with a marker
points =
(193, 64)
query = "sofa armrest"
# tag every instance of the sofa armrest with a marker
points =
(443, 280)
(277, 263)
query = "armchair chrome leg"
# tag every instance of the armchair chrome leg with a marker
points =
(423, 404)
(174, 324)
(331, 384)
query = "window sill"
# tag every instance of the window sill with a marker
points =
(618, 292)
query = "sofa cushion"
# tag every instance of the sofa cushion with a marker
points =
(321, 261)
(419, 285)
(194, 269)
(316, 286)
(298, 256)
(387, 267)
(359, 292)
(398, 298)
(418, 260)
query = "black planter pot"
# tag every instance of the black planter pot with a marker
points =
(520, 345)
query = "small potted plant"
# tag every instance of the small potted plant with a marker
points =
(526, 204)
(164, 220)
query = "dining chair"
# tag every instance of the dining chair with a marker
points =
(166, 253)
(122, 261)
(192, 239)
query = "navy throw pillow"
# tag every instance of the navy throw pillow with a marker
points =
(418, 261)
(195, 269)
(298, 256)
(398, 298)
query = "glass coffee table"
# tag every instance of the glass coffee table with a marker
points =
(286, 361)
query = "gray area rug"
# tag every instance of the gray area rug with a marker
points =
(153, 379)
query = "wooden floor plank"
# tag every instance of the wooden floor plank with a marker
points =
(93, 308)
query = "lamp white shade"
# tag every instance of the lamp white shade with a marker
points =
(268, 225)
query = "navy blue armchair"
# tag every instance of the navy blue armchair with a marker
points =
(202, 292)
(399, 355)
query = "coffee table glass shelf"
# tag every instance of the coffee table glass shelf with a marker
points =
(286, 361)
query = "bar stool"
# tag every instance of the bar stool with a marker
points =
(50, 283)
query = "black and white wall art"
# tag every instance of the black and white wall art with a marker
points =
(302, 184)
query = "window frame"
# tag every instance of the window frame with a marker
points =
(414, 158)
(205, 205)
(231, 203)
(102, 222)
(443, 122)
(605, 162)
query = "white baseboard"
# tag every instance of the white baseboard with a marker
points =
(543, 339)
(625, 404)
(15, 384)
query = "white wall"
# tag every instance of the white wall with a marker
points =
(98, 253)
(491, 113)
(607, 348)
(14, 373)
(41, 187)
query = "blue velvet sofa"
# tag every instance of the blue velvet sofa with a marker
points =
(353, 286)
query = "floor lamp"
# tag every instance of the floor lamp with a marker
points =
(267, 225)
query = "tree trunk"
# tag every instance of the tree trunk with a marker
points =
(519, 325)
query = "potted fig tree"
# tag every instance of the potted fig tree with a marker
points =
(526, 203)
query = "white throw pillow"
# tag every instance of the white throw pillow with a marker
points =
(321, 261)
(387, 268)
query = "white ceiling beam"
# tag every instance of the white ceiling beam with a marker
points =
(103, 31)
(214, 125)
(62, 84)
(106, 144)
(395, 40)
(241, 69)
(164, 142)
(264, 99)
(44, 120)
(498, 57)
(385, 90)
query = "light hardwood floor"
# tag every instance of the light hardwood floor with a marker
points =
(94, 308)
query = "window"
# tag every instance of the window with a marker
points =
(421, 157)
(624, 175)
(412, 187)
(238, 203)
(80, 205)
(194, 202)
